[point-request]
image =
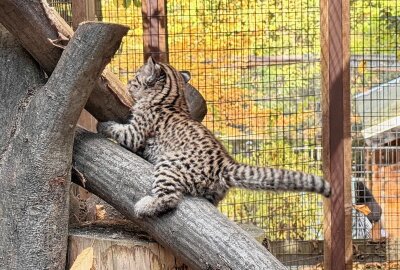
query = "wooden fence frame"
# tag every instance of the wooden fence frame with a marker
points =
(335, 67)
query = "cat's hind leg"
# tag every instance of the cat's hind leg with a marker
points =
(166, 194)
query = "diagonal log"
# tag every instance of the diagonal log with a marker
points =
(43, 33)
(196, 231)
(38, 124)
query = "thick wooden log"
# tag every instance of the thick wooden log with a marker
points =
(36, 144)
(196, 231)
(43, 33)
(119, 249)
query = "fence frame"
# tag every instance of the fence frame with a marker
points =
(336, 126)
(155, 34)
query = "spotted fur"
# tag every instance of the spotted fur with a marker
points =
(188, 159)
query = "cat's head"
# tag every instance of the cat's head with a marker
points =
(150, 79)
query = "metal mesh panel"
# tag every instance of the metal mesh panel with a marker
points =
(127, 12)
(130, 55)
(63, 7)
(257, 65)
(375, 86)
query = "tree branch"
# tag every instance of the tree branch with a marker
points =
(195, 231)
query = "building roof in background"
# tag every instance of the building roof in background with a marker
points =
(379, 109)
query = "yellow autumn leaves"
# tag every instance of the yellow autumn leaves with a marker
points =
(214, 40)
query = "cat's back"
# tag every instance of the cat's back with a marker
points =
(179, 126)
(178, 135)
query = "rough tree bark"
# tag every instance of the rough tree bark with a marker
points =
(37, 129)
(44, 33)
(196, 232)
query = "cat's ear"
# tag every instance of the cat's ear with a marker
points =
(151, 62)
(153, 70)
(186, 75)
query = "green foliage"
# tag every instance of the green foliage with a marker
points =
(374, 25)
(127, 3)
(283, 216)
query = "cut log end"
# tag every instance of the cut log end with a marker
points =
(116, 248)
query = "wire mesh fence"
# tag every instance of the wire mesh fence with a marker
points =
(262, 95)
(375, 86)
(130, 55)
(64, 8)
(257, 63)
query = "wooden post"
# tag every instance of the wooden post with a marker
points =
(78, 8)
(335, 65)
(83, 10)
(155, 43)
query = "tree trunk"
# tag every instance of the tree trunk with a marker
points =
(38, 123)
(44, 33)
(196, 231)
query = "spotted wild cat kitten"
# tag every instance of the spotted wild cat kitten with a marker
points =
(188, 159)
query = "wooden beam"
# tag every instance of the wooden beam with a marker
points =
(335, 65)
(79, 13)
(155, 43)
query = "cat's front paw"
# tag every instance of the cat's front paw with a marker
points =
(104, 127)
(146, 207)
